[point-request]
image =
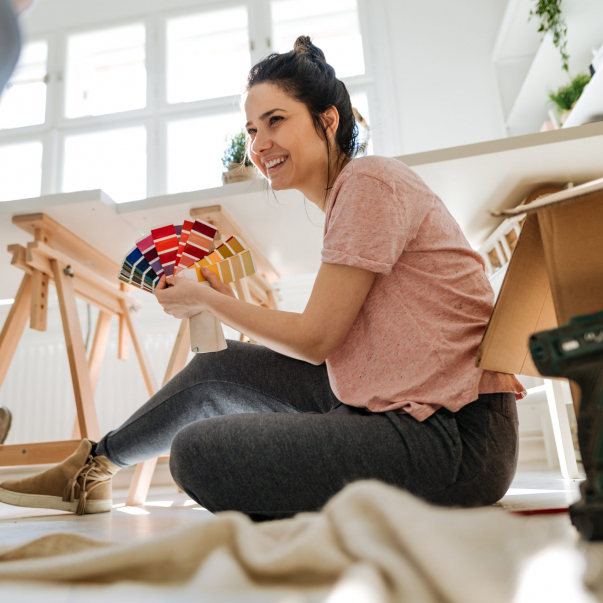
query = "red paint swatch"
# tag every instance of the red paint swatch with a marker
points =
(166, 243)
(198, 244)
(186, 229)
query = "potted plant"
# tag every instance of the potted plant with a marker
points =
(235, 160)
(567, 96)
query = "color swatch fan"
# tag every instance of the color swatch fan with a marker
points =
(182, 251)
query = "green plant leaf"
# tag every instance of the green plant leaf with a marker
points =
(236, 150)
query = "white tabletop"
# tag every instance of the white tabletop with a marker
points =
(470, 179)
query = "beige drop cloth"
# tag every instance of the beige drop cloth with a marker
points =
(371, 543)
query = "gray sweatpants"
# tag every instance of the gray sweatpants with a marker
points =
(251, 430)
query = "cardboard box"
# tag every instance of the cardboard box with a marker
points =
(555, 272)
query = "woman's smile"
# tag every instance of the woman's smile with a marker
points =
(275, 164)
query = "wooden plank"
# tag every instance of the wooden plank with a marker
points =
(100, 298)
(38, 250)
(14, 326)
(141, 482)
(242, 288)
(272, 301)
(141, 353)
(259, 293)
(99, 345)
(39, 301)
(39, 289)
(39, 453)
(19, 259)
(143, 475)
(123, 339)
(64, 241)
(95, 358)
(180, 351)
(76, 352)
(216, 215)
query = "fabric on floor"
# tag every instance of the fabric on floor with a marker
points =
(372, 541)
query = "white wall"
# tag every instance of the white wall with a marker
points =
(441, 53)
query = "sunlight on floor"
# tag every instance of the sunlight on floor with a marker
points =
(553, 574)
(161, 503)
(133, 511)
(523, 491)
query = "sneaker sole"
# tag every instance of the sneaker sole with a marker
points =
(39, 501)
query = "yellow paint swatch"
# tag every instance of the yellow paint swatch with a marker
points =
(231, 269)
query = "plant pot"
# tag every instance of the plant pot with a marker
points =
(566, 113)
(239, 173)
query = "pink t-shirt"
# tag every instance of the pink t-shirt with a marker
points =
(413, 345)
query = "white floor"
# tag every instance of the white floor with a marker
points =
(167, 508)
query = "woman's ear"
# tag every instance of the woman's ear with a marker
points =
(331, 120)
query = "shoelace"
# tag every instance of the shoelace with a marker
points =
(91, 472)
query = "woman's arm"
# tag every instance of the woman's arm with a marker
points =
(336, 299)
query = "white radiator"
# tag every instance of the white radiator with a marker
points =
(38, 388)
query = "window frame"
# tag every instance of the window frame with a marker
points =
(158, 113)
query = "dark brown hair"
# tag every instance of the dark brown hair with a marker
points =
(305, 75)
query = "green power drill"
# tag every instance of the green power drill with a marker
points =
(575, 351)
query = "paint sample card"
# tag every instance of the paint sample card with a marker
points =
(166, 243)
(184, 233)
(198, 244)
(232, 246)
(228, 270)
(137, 271)
(147, 247)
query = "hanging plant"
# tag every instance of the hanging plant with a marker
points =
(551, 19)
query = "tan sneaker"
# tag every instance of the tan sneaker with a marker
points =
(81, 484)
(6, 419)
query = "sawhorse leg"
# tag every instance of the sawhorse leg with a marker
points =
(14, 326)
(561, 429)
(76, 352)
(95, 358)
(143, 474)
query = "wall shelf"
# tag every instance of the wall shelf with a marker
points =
(590, 105)
(527, 69)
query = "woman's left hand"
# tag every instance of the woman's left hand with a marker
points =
(184, 298)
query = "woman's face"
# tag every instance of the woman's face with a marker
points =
(284, 144)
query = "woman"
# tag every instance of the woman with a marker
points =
(376, 379)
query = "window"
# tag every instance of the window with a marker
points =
(106, 71)
(195, 149)
(333, 27)
(20, 170)
(207, 55)
(24, 100)
(142, 105)
(114, 160)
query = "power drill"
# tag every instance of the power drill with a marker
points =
(575, 351)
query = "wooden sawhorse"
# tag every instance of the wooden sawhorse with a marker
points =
(77, 270)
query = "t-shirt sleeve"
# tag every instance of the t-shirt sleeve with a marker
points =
(367, 227)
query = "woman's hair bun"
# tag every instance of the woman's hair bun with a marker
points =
(303, 45)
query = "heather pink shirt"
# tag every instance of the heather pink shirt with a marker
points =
(413, 345)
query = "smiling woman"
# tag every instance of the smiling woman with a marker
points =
(375, 379)
(303, 91)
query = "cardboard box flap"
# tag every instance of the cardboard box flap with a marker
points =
(524, 305)
(569, 194)
(573, 249)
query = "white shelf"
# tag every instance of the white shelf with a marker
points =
(516, 43)
(490, 176)
(590, 105)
